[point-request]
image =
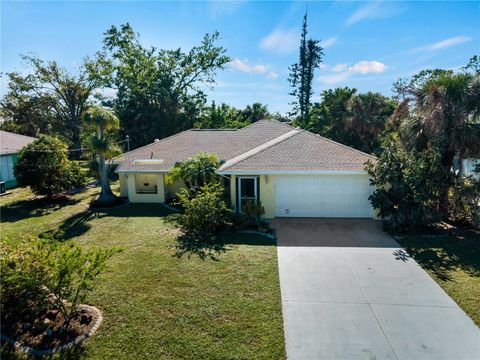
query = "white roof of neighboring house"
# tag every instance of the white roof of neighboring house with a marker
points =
(11, 143)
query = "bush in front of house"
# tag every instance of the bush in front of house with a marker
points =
(205, 212)
(408, 187)
(464, 202)
(40, 275)
(43, 165)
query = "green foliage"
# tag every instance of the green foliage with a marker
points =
(302, 74)
(252, 213)
(44, 166)
(40, 274)
(24, 274)
(158, 91)
(464, 202)
(47, 101)
(356, 120)
(72, 274)
(228, 117)
(204, 214)
(408, 187)
(195, 172)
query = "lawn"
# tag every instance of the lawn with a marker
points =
(156, 305)
(452, 258)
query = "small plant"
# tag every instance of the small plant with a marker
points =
(464, 204)
(252, 213)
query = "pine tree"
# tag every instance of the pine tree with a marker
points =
(302, 74)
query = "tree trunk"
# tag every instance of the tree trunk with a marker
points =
(76, 144)
(447, 163)
(106, 196)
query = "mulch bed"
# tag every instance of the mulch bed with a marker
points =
(45, 333)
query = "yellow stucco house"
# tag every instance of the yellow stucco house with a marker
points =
(292, 172)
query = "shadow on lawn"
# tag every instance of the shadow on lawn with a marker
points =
(73, 226)
(23, 209)
(213, 248)
(445, 251)
(76, 352)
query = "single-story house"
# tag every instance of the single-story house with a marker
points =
(292, 172)
(10, 146)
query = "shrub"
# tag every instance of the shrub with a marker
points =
(44, 166)
(24, 273)
(464, 204)
(205, 212)
(408, 187)
(40, 274)
(251, 216)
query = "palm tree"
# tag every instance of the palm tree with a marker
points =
(446, 116)
(103, 119)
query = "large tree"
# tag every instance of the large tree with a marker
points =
(158, 92)
(443, 113)
(48, 100)
(302, 74)
(356, 120)
(103, 119)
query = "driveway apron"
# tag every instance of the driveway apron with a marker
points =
(349, 291)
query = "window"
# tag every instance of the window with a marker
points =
(247, 190)
(6, 168)
(146, 183)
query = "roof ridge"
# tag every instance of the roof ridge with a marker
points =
(258, 149)
(272, 120)
(343, 145)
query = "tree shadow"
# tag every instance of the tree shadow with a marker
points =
(22, 209)
(445, 251)
(7, 351)
(75, 225)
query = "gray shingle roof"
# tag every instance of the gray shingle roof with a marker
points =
(11, 143)
(226, 144)
(266, 145)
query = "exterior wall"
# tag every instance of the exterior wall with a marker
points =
(6, 170)
(172, 190)
(133, 197)
(233, 191)
(267, 192)
(123, 184)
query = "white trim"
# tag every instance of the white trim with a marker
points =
(141, 171)
(293, 172)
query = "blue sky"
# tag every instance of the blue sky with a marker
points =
(367, 44)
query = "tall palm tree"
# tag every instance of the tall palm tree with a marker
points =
(445, 115)
(103, 119)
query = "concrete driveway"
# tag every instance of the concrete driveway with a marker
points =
(350, 292)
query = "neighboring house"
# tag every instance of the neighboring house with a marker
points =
(292, 172)
(469, 166)
(10, 146)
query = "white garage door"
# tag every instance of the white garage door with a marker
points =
(323, 196)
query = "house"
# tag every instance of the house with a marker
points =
(293, 172)
(10, 146)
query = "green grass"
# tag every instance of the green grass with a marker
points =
(452, 258)
(156, 305)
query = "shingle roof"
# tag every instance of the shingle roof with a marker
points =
(11, 143)
(266, 145)
(226, 144)
(305, 152)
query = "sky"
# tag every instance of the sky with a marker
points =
(367, 45)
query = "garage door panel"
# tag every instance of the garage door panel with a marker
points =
(323, 196)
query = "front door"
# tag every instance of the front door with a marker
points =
(247, 190)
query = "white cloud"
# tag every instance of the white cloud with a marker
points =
(374, 9)
(365, 67)
(333, 79)
(281, 41)
(443, 44)
(246, 67)
(222, 8)
(272, 75)
(328, 42)
(340, 68)
(323, 66)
